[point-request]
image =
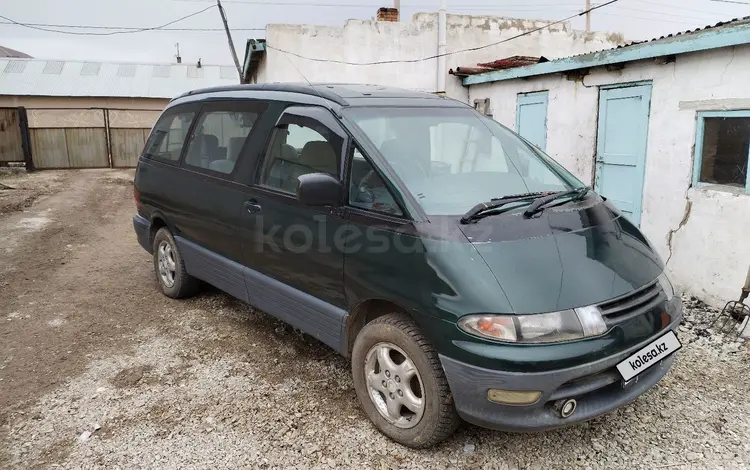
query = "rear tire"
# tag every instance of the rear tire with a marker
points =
(393, 363)
(169, 267)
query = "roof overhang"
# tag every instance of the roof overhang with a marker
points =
(715, 38)
(255, 50)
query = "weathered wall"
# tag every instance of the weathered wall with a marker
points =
(371, 41)
(709, 256)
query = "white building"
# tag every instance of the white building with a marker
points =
(295, 53)
(662, 128)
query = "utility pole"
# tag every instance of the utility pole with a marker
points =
(588, 16)
(397, 6)
(229, 39)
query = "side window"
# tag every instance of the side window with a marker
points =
(299, 145)
(168, 135)
(218, 138)
(367, 189)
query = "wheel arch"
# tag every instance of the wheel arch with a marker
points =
(365, 312)
(158, 220)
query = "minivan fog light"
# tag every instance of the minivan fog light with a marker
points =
(513, 397)
(554, 327)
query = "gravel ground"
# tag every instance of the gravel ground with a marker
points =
(98, 369)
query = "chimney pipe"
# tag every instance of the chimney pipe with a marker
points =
(387, 14)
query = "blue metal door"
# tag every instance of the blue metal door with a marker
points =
(531, 118)
(621, 147)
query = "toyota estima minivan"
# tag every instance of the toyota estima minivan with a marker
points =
(465, 273)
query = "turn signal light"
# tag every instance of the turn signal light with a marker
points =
(513, 397)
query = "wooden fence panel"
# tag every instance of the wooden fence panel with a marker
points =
(48, 148)
(11, 149)
(127, 145)
(87, 147)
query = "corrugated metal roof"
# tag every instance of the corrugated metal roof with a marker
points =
(33, 77)
(513, 61)
(731, 22)
(500, 64)
(722, 34)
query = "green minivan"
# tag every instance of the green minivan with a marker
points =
(466, 274)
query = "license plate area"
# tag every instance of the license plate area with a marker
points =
(648, 356)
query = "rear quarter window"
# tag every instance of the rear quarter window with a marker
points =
(168, 136)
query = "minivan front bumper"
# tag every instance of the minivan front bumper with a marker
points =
(597, 387)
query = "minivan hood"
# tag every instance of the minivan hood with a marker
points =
(570, 256)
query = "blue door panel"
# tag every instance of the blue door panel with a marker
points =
(618, 190)
(621, 147)
(531, 118)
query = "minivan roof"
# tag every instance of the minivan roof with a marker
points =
(342, 94)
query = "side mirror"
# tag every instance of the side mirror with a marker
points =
(319, 189)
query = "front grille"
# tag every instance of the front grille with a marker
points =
(632, 304)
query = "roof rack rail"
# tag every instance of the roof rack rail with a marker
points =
(314, 90)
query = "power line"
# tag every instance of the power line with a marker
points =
(109, 33)
(361, 5)
(660, 20)
(470, 49)
(133, 28)
(680, 8)
(652, 12)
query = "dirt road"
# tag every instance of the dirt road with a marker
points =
(98, 369)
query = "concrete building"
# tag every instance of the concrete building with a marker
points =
(70, 114)
(662, 128)
(392, 50)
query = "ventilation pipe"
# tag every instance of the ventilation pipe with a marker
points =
(442, 70)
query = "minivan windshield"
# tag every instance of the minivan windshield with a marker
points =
(451, 159)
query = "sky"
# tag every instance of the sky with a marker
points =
(636, 19)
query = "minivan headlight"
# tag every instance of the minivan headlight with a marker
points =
(552, 327)
(666, 286)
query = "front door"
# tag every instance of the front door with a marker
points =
(298, 245)
(621, 147)
(531, 118)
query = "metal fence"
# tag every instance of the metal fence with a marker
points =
(74, 138)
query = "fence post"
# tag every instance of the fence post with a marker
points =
(23, 124)
(108, 137)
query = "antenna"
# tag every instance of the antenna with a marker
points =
(311, 86)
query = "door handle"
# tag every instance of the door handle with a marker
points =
(252, 206)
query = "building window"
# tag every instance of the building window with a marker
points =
(723, 149)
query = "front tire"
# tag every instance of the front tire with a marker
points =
(169, 266)
(400, 383)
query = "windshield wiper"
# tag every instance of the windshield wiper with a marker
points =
(483, 209)
(536, 206)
